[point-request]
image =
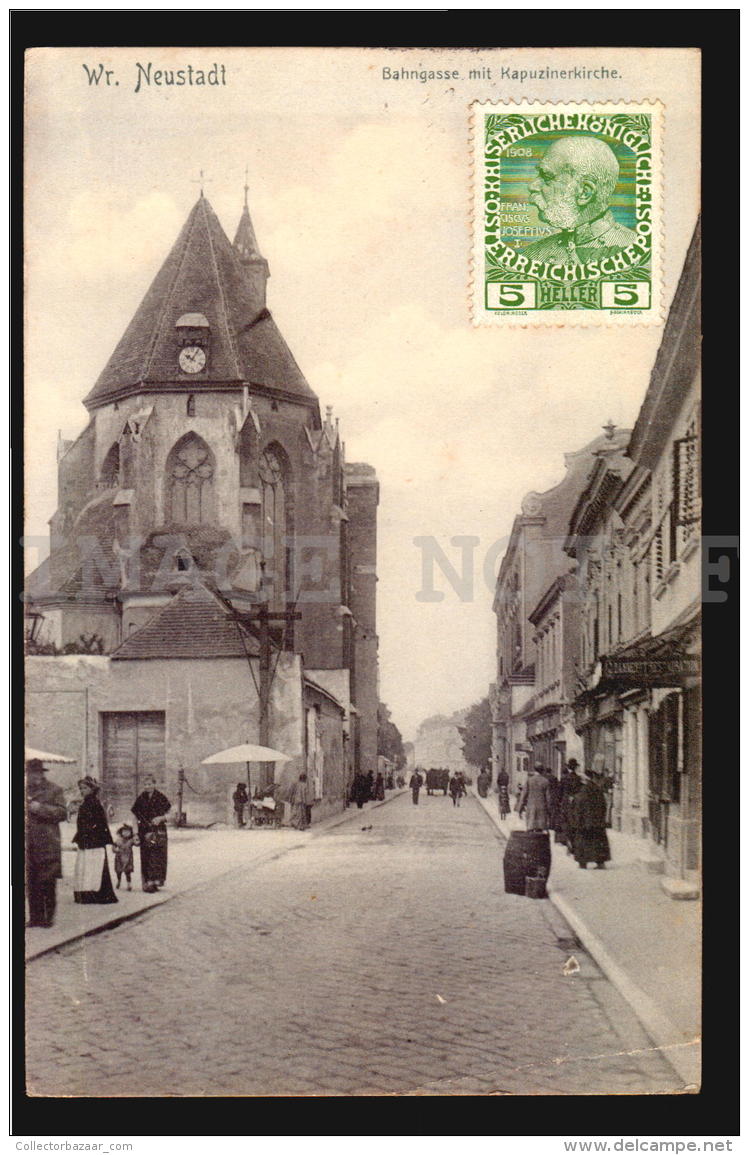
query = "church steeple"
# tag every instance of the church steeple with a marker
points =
(248, 253)
(245, 241)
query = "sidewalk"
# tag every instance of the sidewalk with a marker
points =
(196, 856)
(647, 944)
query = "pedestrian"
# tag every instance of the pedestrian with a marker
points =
(607, 785)
(555, 798)
(483, 782)
(591, 840)
(389, 783)
(123, 854)
(370, 786)
(568, 788)
(300, 798)
(359, 790)
(151, 808)
(503, 790)
(92, 882)
(535, 800)
(240, 798)
(379, 788)
(415, 786)
(45, 810)
(457, 788)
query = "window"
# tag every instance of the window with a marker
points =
(189, 480)
(276, 529)
(110, 470)
(191, 406)
(251, 533)
(686, 483)
(596, 638)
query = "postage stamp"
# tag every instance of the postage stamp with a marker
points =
(567, 213)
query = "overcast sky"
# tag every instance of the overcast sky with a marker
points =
(359, 192)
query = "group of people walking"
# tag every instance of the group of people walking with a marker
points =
(92, 880)
(456, 786)
(574, 808)
(368, 788)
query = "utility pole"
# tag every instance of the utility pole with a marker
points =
(263, 619)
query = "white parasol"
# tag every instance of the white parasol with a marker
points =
(247, 753)
(45, 756)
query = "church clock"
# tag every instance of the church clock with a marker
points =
(192, 358)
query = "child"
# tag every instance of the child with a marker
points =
(123, 854)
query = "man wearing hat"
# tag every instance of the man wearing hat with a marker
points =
(45, 810)
(535, 799)
(569, 788)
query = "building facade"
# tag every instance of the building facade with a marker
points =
(206, 464)
(438, 744)
(635, 538)
(532, 563)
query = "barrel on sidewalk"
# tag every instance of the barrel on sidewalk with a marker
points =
(527, 856)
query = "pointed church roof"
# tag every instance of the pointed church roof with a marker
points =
(245, 241)
(203, 274)
(194, 624)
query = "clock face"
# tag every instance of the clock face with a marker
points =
(192, 359)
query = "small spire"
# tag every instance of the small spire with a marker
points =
(202, 181)
(609, 429)
(246, 187)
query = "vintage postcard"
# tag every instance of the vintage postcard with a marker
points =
(362, 597)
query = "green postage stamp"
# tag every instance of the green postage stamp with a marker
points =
(567, 214)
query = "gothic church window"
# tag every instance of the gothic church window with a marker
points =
(276, 524)
(110, 470)
(189, 482)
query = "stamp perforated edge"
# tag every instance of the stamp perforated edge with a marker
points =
(558, 318)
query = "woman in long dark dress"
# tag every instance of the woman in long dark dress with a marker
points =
(150, 809)
(92, 881)
(591, 841)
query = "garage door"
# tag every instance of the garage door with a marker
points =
(133, 747)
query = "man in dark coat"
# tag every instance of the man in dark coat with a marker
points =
(569, 786)
(415, 786)
(45, 810)
(591, 842)
(359, 790)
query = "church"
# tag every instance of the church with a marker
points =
(212, 571)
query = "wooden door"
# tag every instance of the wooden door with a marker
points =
(133, 746)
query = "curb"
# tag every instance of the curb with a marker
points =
(117, 919)
(683, 1057)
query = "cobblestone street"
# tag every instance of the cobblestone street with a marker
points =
(367, 961)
